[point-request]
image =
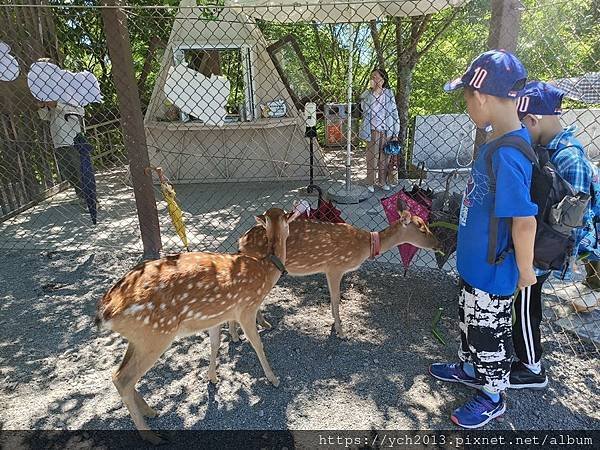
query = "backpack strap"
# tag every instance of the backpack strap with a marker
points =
(524, 147)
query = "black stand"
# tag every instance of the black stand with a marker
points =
(311, 133)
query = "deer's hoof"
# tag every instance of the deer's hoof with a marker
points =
(213, 378)
(154, 438)
(340, 333)
(150, 413)
(274, 381)
(266, 325)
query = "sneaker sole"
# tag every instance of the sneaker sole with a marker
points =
(454, 380)
(532, 386)
(479, 425)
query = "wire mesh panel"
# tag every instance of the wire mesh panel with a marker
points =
(223, 90)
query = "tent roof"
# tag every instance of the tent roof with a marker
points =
(338, 11)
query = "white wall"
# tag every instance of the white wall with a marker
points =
(441, 139)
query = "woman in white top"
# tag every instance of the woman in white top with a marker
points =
(379, 125)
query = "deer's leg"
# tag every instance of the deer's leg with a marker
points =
(215, 340)
(334, 280)
(146, 410)
(260, 319)
(233, 331)
(248, 324)
(138, 360)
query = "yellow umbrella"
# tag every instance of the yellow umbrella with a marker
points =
(174, 210)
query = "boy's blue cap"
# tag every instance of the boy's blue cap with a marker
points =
(495, 72)
(540, 98)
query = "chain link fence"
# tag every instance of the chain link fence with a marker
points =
(223, 91)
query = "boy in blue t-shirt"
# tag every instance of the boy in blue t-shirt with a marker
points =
(539, 109)
(491, 85)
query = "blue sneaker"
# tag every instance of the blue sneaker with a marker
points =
(478, 411)
(453, 373)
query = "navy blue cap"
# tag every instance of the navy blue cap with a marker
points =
(540, 98)
(495, 72)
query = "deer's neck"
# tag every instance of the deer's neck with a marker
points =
(390, 239)
(278, 249)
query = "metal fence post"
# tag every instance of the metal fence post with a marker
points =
(132, 122)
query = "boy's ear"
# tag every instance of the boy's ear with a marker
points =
(479, 97)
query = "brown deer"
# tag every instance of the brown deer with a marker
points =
(184, 294)
(336, 249)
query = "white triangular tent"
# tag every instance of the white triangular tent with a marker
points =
(256, 148)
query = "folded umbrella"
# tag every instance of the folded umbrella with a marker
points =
(88, 179)
(172, 207)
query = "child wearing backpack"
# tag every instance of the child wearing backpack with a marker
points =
(495, 203)
(539, 108)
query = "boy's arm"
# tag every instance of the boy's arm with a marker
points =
(574, 169)
(523, 236)
(44, 110)
(513, 201)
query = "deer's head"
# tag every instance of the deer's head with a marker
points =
(411, 229)
(276, 223)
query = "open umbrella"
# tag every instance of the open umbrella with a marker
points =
(585, 88)
(88, 179)
(174, 210)
(418, 202)
(443, 221)
(325, 211)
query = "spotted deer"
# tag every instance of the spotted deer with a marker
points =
(184, 294)
(336, 249)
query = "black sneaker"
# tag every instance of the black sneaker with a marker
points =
(523, 378)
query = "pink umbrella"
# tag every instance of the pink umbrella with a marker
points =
(421, 208)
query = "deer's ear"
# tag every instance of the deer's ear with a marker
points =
(401, 205)
(290, 217)
(261, 220)
(420, 223)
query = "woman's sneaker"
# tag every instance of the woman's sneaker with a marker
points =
(478, 411)
(453, 373)
(521, 377)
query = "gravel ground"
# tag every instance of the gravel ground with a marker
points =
(55, 367)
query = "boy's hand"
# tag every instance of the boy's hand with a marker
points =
(526, 279)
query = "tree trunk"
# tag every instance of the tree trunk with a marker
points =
(403, 89)
(377, 44)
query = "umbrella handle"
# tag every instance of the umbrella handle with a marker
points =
(159, 172)
(314, 187)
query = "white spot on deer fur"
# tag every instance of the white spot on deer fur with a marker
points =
(184, 309)
(199, 284)
(162, 285)
(163, 306)
(198, 315)
(190, 286)
(134, 309)
(155, 325)
(146, 320)
(185, 295)
(162, 319)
